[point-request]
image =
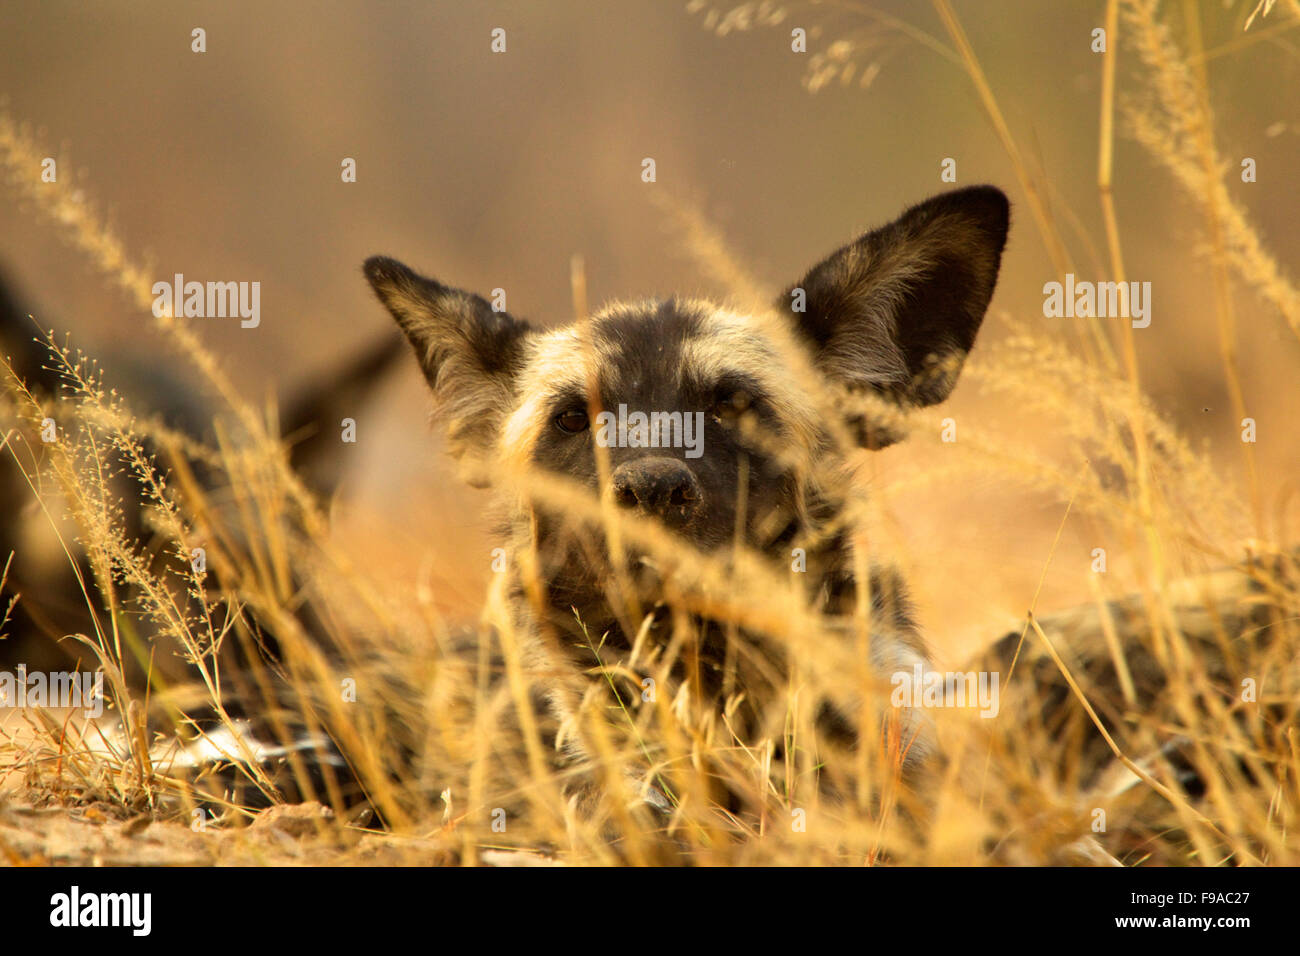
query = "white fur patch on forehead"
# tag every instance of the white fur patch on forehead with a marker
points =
(555, 364)
(731, 343)
(727, 341)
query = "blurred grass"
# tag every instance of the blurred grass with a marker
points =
(1111, 463)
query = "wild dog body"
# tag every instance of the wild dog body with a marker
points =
(891, 314)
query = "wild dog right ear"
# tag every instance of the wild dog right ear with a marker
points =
(897, 310)
(469, 354)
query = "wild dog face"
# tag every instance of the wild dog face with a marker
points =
(718, 426)
(706, 416)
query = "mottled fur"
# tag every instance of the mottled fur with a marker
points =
(893, 313)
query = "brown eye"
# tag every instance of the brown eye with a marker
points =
(572, 421)
(731, 406)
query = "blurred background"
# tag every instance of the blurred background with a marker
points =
(492, 170)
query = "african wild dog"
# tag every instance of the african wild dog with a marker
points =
(893, 314)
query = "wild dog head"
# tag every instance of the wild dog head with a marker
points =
(709, 417)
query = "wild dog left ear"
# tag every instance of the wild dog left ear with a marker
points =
(897, 310)
(469, 354)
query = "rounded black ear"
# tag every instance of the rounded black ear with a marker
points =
(469, 353)
(897, 310)
(439, 320)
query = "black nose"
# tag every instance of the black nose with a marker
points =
(659, 486)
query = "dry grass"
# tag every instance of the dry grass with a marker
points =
(441, 734)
